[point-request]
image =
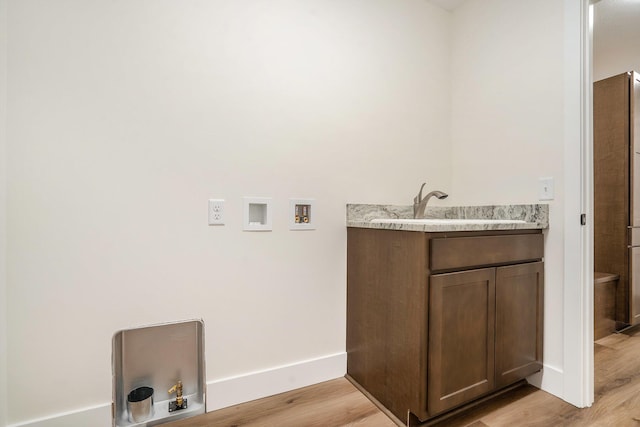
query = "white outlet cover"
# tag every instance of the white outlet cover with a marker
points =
(302, 214)
(216, 212)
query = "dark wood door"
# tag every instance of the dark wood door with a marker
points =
(519, 321)
(461, 338)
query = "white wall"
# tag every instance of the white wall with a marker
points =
(507, 126)
(125, 117)
(3, 213)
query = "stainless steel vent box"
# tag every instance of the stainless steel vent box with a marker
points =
(158, 357)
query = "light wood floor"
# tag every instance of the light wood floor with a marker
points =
(338, 403)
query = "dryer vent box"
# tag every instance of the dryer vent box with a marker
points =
(157, 357)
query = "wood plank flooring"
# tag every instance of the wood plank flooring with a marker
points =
(338, 403)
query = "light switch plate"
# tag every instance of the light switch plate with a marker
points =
(546, 188)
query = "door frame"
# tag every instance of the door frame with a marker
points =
(578, 372)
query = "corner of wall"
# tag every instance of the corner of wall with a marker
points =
(3, 214)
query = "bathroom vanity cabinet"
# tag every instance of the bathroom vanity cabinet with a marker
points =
(438, 320)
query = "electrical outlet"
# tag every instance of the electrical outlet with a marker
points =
(216, 212)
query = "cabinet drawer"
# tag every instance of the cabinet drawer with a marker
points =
(461, 252)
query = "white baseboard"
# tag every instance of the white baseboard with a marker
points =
(220, 393)
(550, 379)
(94, 416)
(244, 388)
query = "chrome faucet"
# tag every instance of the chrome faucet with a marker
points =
(419, 204)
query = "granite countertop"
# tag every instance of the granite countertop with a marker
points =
(529, 217)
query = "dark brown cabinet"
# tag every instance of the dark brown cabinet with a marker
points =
(438, 320)
(485, 331)
(461, 338)
(519, 321)
(616, 158)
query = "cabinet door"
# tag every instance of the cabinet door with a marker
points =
(461, 338)
(519, 321)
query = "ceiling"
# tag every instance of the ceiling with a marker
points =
(447, 4)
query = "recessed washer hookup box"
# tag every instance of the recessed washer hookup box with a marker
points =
(158, 357)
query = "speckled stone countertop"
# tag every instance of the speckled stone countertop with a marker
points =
(535, 217)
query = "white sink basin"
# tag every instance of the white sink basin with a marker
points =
(446, 221)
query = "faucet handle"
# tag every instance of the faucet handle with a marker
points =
(418, 198)
(177, 388)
